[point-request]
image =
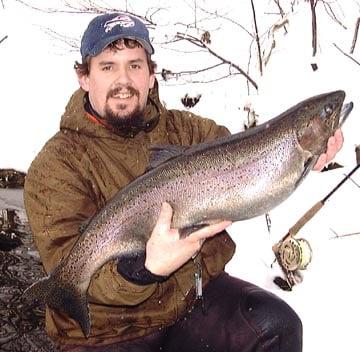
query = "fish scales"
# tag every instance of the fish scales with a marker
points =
(189, 194)
(233, 178)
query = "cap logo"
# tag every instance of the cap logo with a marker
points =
(122, 20)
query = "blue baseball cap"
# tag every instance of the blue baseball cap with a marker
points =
(107, 28)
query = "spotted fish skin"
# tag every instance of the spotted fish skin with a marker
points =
(232, 178)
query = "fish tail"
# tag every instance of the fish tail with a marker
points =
(62, 298)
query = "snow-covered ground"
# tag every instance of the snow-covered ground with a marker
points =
(37, 79)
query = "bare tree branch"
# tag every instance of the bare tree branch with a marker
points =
(71, 42)
(2, 3)
(347, 55)
(200, 44)
(70, 9)
(257, 38)
(267, 57)
(2, 39)
(337, 236)
(293, 5)
(282, 13)
(82, 7)
(313, 4)
(271, 34)
(218, 15)
(167, 73)
(195, 13)
(354, 182)
(205, 81)
(331, 13)
(355, 36)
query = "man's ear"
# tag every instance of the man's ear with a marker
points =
(83, 81)
(152, 81)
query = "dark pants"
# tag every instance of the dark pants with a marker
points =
(237, 316)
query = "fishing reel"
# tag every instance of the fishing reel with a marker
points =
(293, 255)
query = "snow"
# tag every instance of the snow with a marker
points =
(37, 81)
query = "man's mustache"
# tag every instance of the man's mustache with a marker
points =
(119, 89)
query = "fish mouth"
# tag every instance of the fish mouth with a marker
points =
(345, 112)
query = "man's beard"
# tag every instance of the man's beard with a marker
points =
(129, 124)
(134, 119)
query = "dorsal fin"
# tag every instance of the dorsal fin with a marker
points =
(163, 153)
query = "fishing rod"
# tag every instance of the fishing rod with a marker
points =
(295, 254)
(316, 207)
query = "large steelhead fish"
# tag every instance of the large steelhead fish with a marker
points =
(233, 178)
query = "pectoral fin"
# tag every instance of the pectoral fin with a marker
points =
(308, 166)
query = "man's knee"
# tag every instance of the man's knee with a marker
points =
(278, 326)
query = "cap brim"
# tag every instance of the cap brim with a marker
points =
(102, 44)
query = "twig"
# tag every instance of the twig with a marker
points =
(191, 72)
(282, 13)
(50, 10)
(203, 82)
(195, 13)
(347, 55)
(85, 7)
(331, 13)
(355, 36)
(71, 42)
(272, 31)
(257, 38)
(200, 44)
(344, 235)
(1, 40)
(150, 13)
(314, 29)
(354, 182)
(216, 14)
(267, 57)
(2, 3)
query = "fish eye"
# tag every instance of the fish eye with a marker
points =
(328, 109)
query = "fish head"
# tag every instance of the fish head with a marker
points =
(317, 119)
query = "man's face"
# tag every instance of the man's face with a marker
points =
(118, 83)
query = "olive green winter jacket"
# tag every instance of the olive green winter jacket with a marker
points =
(78, 170)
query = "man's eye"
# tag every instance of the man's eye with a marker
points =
(106, 68)
(135, 66)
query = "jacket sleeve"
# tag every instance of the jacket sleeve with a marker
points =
(133, 269)
(58, 200)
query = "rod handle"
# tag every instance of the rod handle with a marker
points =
(304, 219)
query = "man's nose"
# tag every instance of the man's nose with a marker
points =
(123, 76)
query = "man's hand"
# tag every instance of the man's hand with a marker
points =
(333, 146)
(166, 252)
